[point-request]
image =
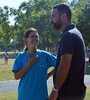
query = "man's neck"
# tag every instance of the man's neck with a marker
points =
(64, 26)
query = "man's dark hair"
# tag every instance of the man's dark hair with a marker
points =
(63, 8)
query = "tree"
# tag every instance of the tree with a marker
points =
(5, 29)
(36, 13)
(83, 18)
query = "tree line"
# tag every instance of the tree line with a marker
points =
(36, 13)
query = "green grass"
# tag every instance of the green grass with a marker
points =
(87, 94)
(6, 74)
(6, 70)
(8, 96)
(13, 95)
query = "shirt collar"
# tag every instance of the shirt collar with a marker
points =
(69, 27)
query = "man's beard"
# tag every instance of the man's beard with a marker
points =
(56, 26)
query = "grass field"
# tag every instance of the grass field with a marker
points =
(5, 70)
(8, 96)
(6, 74)
(13, 95)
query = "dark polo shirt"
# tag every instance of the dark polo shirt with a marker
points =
(72, 43)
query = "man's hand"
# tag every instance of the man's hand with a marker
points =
(53, 95)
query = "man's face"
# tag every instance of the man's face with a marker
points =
(55, 19)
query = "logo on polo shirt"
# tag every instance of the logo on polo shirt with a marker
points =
(42, 66)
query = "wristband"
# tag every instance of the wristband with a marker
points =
(56, 90)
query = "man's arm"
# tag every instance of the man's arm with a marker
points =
(62, 72)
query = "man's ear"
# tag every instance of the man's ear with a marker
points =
(64, 16)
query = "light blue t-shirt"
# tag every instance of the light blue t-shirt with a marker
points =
(33, 85)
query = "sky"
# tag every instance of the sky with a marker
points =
(13, 4)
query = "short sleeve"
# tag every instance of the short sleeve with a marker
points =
(17, 64)
(68, 44)
(51, 59)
